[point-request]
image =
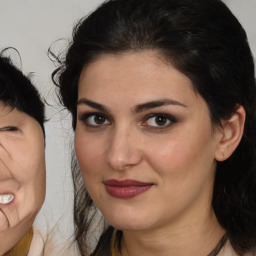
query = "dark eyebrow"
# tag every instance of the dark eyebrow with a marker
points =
(156, 103)
(92, 104)
(137, 109)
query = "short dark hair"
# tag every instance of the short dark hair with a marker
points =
(204, 41)
(17, 91)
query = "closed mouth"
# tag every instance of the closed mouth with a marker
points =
(126, 188)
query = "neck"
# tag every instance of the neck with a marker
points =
(198, 237)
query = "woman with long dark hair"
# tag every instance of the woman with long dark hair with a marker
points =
(162, 95)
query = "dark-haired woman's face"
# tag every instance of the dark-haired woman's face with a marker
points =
(22, 174)
(144, 142)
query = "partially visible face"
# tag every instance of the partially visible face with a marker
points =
(22, 174)
(144, 142)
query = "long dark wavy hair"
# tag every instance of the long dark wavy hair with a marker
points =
(204, 41)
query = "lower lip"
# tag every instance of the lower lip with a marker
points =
(2, 206)
(126, 191)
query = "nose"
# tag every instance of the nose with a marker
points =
(123, 152)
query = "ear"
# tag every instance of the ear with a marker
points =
(231, 134)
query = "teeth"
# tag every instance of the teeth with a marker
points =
(6, 198)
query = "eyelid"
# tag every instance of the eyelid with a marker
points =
(85, 115)
(168, 116)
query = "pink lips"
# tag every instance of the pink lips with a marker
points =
(126, 188)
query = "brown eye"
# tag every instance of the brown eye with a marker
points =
(100, 120)
(159, 120)
(94, 120)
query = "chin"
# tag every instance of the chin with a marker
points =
(129, 223)
(127, 226)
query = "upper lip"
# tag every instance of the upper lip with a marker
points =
(126, 183)
(9, 186)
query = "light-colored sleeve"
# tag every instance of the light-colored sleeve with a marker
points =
(37, 245)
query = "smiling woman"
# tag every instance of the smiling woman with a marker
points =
(22, 162)
(146, 151)
(163, 99)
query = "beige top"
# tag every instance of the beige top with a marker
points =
(228, 250)
(37, 245)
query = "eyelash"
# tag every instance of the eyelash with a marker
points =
(165, 117)
(9, 129)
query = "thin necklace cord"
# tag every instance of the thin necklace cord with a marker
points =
(116, 239)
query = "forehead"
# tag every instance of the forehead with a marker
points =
(5, 109)
(140, 75)
(139, 61)
(8, 113)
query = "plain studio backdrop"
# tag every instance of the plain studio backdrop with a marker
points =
(32, 26)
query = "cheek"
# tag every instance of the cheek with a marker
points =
(180, 156)
(33, 178)
(32, 163)
(184, 169)
(25, 161)
(169, 160)
(90, 156)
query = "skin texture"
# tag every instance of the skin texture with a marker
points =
(177, 158)
(22, 173)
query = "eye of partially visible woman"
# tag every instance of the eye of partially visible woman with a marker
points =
(9, 129)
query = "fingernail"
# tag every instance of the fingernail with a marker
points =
(7, 198)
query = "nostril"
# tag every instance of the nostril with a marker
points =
(124, 159)
(123, 151)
